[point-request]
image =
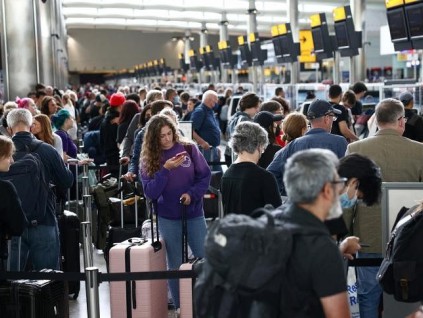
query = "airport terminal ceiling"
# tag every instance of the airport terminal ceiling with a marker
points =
(192, 15)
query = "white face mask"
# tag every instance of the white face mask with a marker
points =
(336, 210)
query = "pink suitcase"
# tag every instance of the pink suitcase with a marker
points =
(138, 299)
(186, 284)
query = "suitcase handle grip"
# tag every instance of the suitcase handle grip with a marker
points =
(155, 244)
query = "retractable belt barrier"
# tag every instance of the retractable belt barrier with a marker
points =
(93, 278)
(154, 275)
(102, 277)
(365, 262)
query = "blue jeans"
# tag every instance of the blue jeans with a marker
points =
(212, 155)
(368, 289)
(41, 245)
(171, 232)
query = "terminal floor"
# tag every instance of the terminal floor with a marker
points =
(78, 308)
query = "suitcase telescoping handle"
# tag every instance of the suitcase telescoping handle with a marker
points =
(121, 180)
(156, 244)
(122, 202)
(184, 231)
(74, 162)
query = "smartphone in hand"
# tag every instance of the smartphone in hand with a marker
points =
(183, 153)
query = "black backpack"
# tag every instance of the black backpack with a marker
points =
(401, 272)
(28, 176)
(243, 272)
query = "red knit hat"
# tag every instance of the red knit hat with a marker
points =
(117, 99)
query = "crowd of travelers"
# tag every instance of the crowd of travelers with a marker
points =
(312, 166)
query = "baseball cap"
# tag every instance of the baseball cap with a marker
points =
(405, 98)
(265, 118)
(319, 108)
(117, 99)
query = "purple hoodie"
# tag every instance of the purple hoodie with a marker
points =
(167, 186)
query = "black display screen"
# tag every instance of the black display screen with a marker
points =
(285, 45)
(206, 60)
(245, 54)
(193, 61)
(415, 19)
(341, 35)
(277, 46)
(229, 57)
(397, 26)
(256, 51)
(317, 40)
(222, 56)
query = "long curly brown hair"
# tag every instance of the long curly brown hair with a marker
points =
(151, 149)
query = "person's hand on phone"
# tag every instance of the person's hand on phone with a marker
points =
(175, 161)
(350, 246)
(185, 199)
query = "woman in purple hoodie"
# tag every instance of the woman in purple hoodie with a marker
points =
(173, 171)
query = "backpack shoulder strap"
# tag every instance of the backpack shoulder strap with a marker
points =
(34, 145)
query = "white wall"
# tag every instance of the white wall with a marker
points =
(111, 50)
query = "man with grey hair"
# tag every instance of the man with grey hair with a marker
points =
(400, 160)
(321, 115)
(316, 277)
(206, 131)
(40, 241)
(245, 185)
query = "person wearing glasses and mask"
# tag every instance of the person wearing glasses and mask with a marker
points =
(321, 115)
(363, 185)
(400, 160)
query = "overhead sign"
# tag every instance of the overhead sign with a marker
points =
(306, 47)
(393, 3)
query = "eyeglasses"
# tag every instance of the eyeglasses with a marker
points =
(405, 119)
(332, 115)
(341, 181)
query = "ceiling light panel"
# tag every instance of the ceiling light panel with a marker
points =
(121, 3)
(114, 12)
(203, 4)
(80, 21)
(114, 21)
(271, 6)
(241, 6)
(237, 17)
(141, 22)
(165, 3)
(315, 8)
(78, 11)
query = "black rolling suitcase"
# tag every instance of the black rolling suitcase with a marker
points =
(122, 231)
(212, 202)
(107, 188)
(34, 298)
(69, 228)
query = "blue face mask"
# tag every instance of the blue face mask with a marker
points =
(176, 100)
(346, 202)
